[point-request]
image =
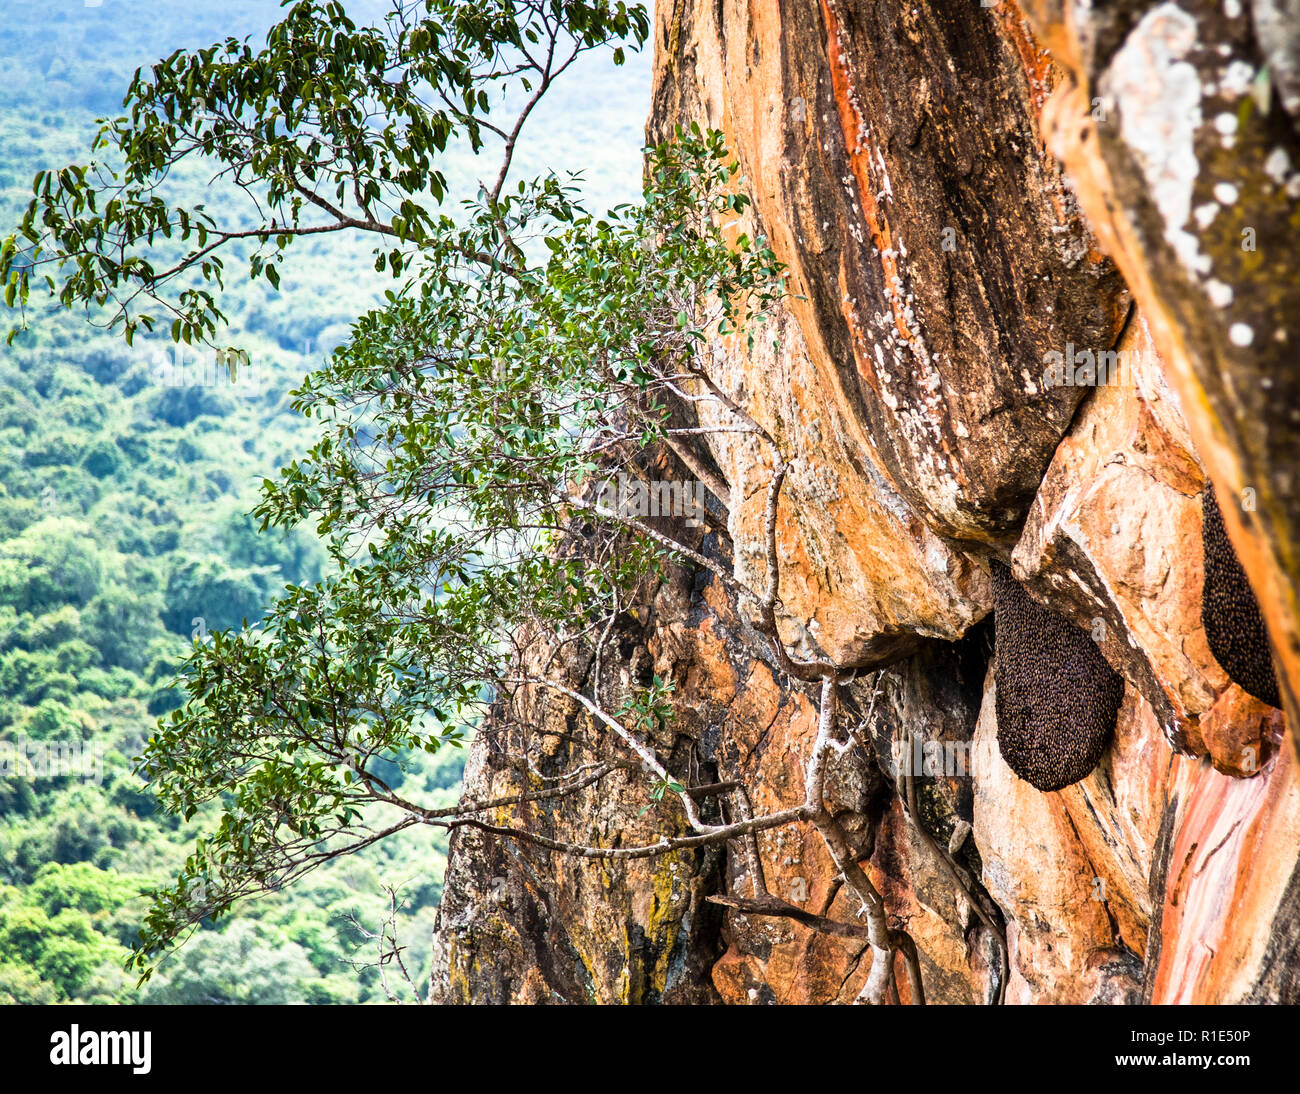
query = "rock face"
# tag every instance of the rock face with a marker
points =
(1177, 126)
(962, 381)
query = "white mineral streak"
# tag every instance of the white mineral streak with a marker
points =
(1226, 123)
(1159, 99)
(1225, 193)
(1237, 78)
(925, 428)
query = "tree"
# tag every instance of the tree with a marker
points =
(65, 949)
(208, 594)
(472, 433)
(121, 624)
(246, 965)
(51, 563)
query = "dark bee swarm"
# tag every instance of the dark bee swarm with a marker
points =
(1057, 697)
(1230, 613)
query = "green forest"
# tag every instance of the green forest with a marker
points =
(127, 473)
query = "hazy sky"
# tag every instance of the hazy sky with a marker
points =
(81, 54)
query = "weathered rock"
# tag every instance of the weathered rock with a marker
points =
(865, 579)
(1113, 538)
(1194, 189)
(1146, 879)
(1240, 733)
(1040, 874)
(1228, 866)
(906, 381)
(522, 924)
(893, 155)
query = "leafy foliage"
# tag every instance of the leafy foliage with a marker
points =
(529, 351)
(452, 424)
(292, 126)
(88, 455)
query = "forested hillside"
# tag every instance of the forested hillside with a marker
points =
(126, 477)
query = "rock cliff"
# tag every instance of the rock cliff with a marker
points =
(1043, 285)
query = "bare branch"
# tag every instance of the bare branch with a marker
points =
(773, 906)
